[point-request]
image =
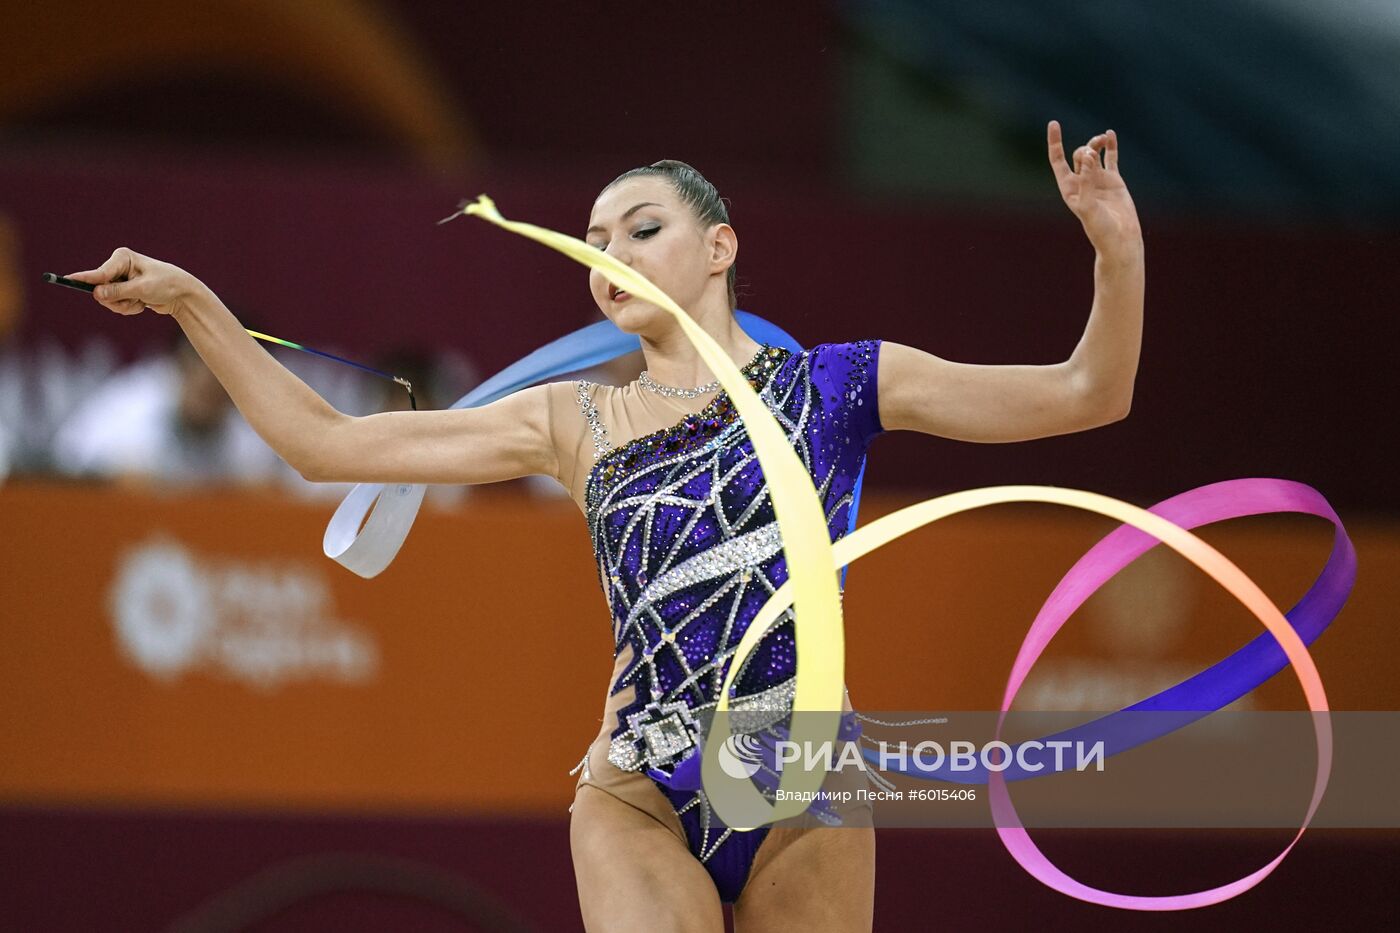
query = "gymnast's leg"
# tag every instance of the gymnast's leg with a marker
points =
(814, 878)
(634, 874)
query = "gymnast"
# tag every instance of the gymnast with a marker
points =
(677, 508)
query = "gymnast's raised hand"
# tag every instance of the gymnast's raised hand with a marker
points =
(1094, 190)
(1001, 403)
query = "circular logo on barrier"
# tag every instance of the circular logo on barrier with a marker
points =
(161, 608)
(740, 756)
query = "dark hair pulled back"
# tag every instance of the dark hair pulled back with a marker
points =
(698, 194)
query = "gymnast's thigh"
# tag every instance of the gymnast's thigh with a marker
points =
(810, 878)
(633, 873)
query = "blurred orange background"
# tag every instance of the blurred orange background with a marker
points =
(196, 651)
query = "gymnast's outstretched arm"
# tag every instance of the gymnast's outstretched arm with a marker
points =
(992, 404)
(503, 440)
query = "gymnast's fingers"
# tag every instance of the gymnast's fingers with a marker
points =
(118, 267)
(114, 292)
(1099, 145)
(1058, 163)
(1110, 153)
(127, 306)
(122, 297)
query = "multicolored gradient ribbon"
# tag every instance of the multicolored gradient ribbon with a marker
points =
(819, 630)
(1218, 685)
(413, 402)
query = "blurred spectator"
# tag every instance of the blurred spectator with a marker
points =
(164, 420)
(39, 385)
(11, 298)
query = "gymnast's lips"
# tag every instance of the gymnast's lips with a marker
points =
(617, 294)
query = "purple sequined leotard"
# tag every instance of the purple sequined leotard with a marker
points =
(688, 551)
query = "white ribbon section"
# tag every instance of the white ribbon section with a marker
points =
(369, 549)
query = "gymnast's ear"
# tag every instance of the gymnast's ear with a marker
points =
(723, 243)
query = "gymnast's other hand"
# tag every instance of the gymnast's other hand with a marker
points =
(1095, 191)
(129, 283)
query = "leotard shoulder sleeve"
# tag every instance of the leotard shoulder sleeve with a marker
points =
(846, 374)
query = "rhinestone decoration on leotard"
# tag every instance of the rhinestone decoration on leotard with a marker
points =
(651, 385)
(688, 550)
(690, 433)
(601, 444)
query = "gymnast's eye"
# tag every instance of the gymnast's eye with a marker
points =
(602, 246)
(645, 232)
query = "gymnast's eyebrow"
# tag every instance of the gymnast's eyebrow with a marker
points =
(630, 211)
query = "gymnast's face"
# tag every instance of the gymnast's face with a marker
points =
(643, 223)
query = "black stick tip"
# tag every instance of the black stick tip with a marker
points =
(70, 283)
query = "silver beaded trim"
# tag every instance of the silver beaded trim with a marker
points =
(761, 710)
(582, 765)
(601, 444)
(674, 391)
(746, 550)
